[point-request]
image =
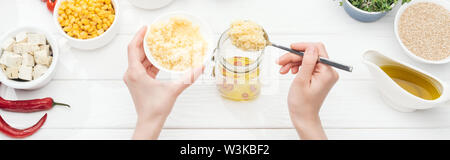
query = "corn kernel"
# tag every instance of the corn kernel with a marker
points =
(84, 19)
(100, 31)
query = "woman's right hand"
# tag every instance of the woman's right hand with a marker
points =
(309, 88)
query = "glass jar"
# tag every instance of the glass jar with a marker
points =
(237, 72)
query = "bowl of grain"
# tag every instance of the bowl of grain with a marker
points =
(422, 28)
(177, 42)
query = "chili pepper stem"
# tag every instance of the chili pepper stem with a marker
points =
(60, 104)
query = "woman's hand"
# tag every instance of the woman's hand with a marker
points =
(309, 88)
(153, 99)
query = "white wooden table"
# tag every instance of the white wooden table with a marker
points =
(91, 81)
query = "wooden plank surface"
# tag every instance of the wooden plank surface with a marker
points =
(95, 105)
(91, 81)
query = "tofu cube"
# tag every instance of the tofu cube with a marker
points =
(42, 57)
(27, 60)
(39, 70)
(45, 48)
(12, 73)
(8, 44)
(25, 73)
(38, 39)
(43, 52)
(25, 48)
(22, 37)
(11, 59)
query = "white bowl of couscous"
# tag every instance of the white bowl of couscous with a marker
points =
(87, 25)
(189, 45)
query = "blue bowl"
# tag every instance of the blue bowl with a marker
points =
(361, 15)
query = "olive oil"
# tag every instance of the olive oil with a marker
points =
(239, 86)
(415, 83)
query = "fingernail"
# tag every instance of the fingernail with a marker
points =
(312, 50)
(285, 69)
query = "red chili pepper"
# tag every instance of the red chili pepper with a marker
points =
(51, 5)
(27, 106)
(21, 133)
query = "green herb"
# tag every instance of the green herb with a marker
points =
(375, 5)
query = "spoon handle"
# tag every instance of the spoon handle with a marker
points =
(321, 60)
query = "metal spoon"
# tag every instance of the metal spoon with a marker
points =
(321, 59)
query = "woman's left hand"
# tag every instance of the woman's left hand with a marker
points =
(153, 99)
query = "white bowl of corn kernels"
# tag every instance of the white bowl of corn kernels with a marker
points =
(87, 24)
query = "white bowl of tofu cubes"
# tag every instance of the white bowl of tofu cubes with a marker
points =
(28, 58)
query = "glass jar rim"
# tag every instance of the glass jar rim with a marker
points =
(231, 67)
